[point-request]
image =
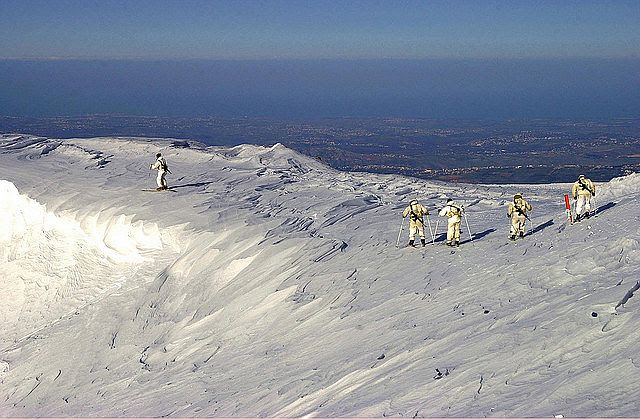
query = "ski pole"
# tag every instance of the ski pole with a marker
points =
(435, 234)
(400, 232)
(433, 239)
(468, 229)
(532, 226)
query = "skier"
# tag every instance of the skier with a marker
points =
(161, 166)
(416, 212)
(517, 211)
(582, 191)
(454, 213)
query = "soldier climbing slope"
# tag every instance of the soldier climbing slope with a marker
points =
(416, 212)
(517, 211)
(454, 213)
(583, 190)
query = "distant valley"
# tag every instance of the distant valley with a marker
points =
(470, 151)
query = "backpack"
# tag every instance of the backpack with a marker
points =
(454, 210)
(164, 165)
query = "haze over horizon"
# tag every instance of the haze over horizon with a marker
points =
(574, 59)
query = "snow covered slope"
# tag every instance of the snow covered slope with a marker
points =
(268, 284)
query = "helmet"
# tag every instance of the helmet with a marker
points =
(581, 177)
(449, 200)
(413, 202)
(159, 155)
(517, 196)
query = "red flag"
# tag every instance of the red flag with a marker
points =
(568, 205)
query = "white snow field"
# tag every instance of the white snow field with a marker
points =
(267, 284)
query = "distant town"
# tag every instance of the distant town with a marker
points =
(473, 151)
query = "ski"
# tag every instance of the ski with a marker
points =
(158, 190)
(408, 246)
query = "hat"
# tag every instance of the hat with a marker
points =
(413, 202)
(449, 200)
(518, 195)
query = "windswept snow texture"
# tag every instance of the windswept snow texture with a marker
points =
(266, 284)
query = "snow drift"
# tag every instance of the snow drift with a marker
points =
(266, 283)
(53, 264)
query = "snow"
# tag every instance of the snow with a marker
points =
(267, 284)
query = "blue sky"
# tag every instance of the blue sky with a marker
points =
(246, 29)
(299, 58)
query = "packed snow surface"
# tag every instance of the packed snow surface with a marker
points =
(267, 284)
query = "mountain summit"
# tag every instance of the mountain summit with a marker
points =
(263, 283)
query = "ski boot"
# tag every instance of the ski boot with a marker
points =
(457, 243)
(424, 243)
(521, 234)
(411, 243)
(512, 237)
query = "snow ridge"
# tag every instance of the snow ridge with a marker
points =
(268, 284)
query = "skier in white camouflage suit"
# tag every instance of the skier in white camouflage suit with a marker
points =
(517, 211)
(416, 211)
(582, 191)
(454, 213)
(161, 166)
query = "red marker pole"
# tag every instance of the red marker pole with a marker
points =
(568, 205)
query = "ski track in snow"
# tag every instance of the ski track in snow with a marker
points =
(269, 284)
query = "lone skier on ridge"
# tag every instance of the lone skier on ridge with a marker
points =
(416, 212)
(454, 213)
(517, 211)
(161, 166)
(582, 191)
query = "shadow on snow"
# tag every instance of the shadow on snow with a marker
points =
(187, 185)
(540, 227)
(605, 207)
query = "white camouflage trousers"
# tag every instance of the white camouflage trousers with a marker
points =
(160, 180)
(416, 227)
(518, 225)
(453, 231)
(583, 205)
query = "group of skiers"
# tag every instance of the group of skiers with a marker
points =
(416, 212)
(582, 191)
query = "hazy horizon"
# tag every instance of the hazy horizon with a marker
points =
(308, 59)
(305, 88)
